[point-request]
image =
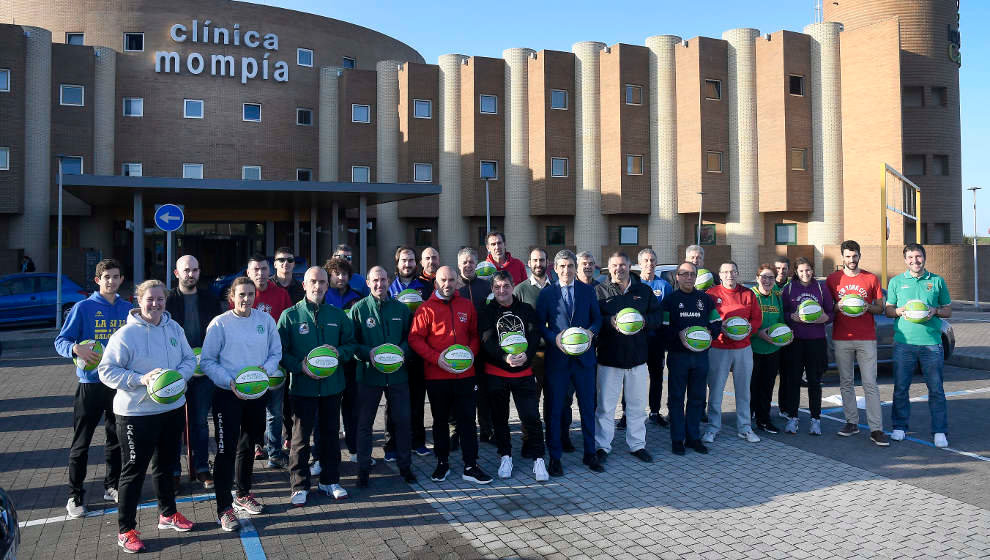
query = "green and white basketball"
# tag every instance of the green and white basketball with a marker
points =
(387, 358)
(321, 362)
(575, 341)
(704, 280)
(628, 321)
(780, 334)
(485, 270)
(916, 311)
(198, 371)
(97, 347)
(167, 387)
(513, 342)
(697, 339)
(809, 311)
(251, 383)
(276, 378)
(458, 357)
(736, 328)
(410, 297)
(852, 305)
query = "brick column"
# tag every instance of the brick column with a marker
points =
(30, 230)
(520, 226)
(452, 226)
(104, 110)
(665, 231)
(329, 125)
(590, 229)
(390, 228)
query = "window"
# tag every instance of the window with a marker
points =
(914, 164)
(634, 95)
(4, 79)
(489, 170)
(192, 170)
(131, 170)
(423, 172)
(707, 234)
(558, 167)
(558, 99)
(795, 85)
(133, 42)
(713, 162)
(4, 159)
(304, 57)
(361, 113)
(303, 174)
(422, 109)
(75, 39)
(304, 117)
(628, 235)
(360, 174)
(940, 165)
(799, 159)
(192, 108)
(785, 234)
(634, 165)
(489, 104)
(424, 236)
(251, 172)
(913, 96)
(72, 165)
(133, 106)
(72, 95)
(713, 89)
(939, 233)
(348, 62)
(940, 96)
(555, 236)
(252, 112)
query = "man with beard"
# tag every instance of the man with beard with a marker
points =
(502, 259)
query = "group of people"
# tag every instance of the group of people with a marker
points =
(274, 322)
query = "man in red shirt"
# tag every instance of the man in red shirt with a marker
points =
(502, 259)
(854, 339)
(732, 300)
(446, 319)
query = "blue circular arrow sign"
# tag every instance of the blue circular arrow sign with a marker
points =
(169, 217)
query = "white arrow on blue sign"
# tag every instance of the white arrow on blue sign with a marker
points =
(169, 217)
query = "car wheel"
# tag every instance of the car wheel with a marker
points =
(946, 348)
(65, 312)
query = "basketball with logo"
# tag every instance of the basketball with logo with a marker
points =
(97, 348)
(575, 341)
(166, 387)
(809, 311)
(628, 321)
(697, 339)
(410, 298)
(251, 383)
(387, 358)
(458, 357)
(780, 334)
(276, 378)
(321, 362)
(485, 270)
(916, 311)
(513, 342)
(704, 280)
(736, 328)
(852, 305)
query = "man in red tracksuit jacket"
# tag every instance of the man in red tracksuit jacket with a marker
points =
(442, 321)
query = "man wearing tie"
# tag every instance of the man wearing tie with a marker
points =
(560, 306)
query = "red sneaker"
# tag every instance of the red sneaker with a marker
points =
(177, 521)
(130, 542)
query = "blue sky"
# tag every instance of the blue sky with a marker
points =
(465, 27)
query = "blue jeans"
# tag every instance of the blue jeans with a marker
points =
(273, 422)
(931, 358)
(199, 397)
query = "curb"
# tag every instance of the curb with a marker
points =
(28, 343)
(969, 361)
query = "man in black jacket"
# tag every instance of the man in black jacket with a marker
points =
(479, 291)
(622, 358)
(194, 309)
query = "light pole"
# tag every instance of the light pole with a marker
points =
(58, 256)
(976, 268)
(487, 174)
(701, 203)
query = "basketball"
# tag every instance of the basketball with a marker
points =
(852, 305)
(97, 347)
(628, 321)
(916, 311)
(458, 357)
(167, 387)
(736, 328)
(410, 297)
(705, 279)
(780, 334)
(387, 358)
(198, 371)
(485, 270)
(321, 362)
(251, 383)
(809, 311)
(575, 341)
(697, 339)
(276, 378)
(513, 343)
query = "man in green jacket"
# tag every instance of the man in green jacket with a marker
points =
(315, 400)
(378, 320)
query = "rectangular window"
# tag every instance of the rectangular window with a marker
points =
(348, 62)
(489, 170)
(304, 57)
(4, 159)
(634, 165)
(634, 95)
(555, 236)
(4, 80)
(131, 169)
(713, 89)
(628, 235)
(424, 236)
(360, 174)
(913, 96)
(304, 117)
(785, 234)
(251, 172)
(558, 99)
(133, 42)
(940, 96)
(799, 159)
(133, 106)
(360, 113)
(72, 95)
(558, 167)
(489, 104)
(252, 112)
(303, 174)
(192, 170)
(192, 108)
(423, 172)
(422, 109)
(75, 39)
(795, 85)
(713, 162)
(707, 234)
(914, 164)
(940, 165)
(72, 165)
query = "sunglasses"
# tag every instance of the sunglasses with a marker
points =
(285, 259)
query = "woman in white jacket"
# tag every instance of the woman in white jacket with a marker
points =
(234, 340)
(150, 342)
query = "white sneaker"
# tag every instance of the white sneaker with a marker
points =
(709, 437)
(315, 469)
(354, 459)
(110, 494)
(540, 470)
(298, 498)
(816, 427)
(940, 440)
(75, 510)
(505, 469)
(334, 490)
(783, 415)
(897, 435)
(749, 436)
(792, 426)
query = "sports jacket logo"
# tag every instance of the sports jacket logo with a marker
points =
(371, 322)
(701, 304)
(261, 329)
(265, 307)
(304, 328)
(462, 317)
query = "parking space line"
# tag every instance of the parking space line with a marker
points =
(250, 540)
(922, 398)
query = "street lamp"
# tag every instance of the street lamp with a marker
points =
(701, 202)
(976, 268)
(488, 172)
(58, 258)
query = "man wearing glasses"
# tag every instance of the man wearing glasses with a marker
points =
(357, 282)
(285, 263)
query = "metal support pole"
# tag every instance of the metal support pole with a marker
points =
(58, 258)
(488, 211)
(701, 203)
(976, 262)
(295, 231)
(363, 232)
(335, 225)
(138, 237)
(312, 234)
(883, 229)
(168, 259)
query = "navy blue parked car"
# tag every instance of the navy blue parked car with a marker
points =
(222, 283)
(31, 296)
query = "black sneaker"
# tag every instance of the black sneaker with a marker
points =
(643, 455)
(566, 445)
(476, 475)
(363, 477)
(677, 447)
(659, 420)
(849, 429)
(697, 446)
(555, 468)
(620, 424)
(408, 476)
(879, 438)
(767, 427)
(594, 463)
(440, 474)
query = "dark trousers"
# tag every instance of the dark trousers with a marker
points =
(807, 355)
(323, 415)
(286, 413)
(92, 402)
(539, 375)
(417, 407)
(147, 439)
(687, 373)
(238, 425)
(397, 397)
(583, 382)
(526, 395)
(349, 407)
(484, 409)
(199, 397)
(455, 396)
(765, 368)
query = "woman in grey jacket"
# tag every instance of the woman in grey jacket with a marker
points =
(149, 343)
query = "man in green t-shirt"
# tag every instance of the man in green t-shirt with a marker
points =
(918, 342)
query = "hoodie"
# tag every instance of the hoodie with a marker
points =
(793, 293)
(515, 267)
(93, 318)
(496, 320)
(137, 348)
(233, 343)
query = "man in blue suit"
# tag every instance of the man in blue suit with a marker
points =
(564, 304)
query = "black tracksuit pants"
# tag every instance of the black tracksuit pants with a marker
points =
(526, 395)
(397, 397)
(455, 396)
(417, 407)
(238, 425)
(765, 368)
(147, 439)
(350, 405)
(308, 414)
(92, 402)
(807, 355)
